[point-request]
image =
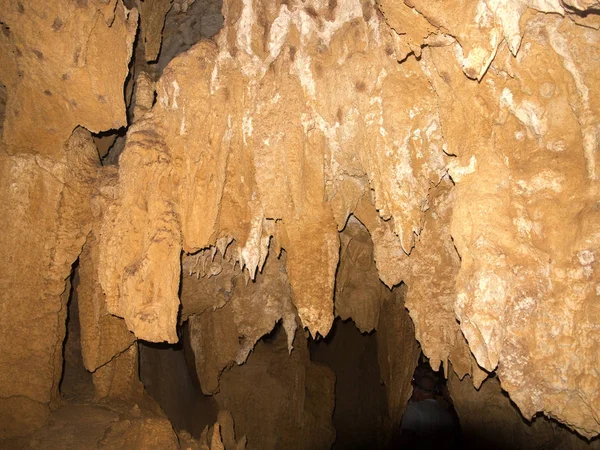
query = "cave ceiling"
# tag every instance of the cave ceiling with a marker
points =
(450, 146)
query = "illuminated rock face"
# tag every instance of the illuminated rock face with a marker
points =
(62, 64)
(462, 136)
(525, 199)
(279, 131)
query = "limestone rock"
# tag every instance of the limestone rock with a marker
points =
(61, 65)
(398, 353)
(582, 5)
(45, 222)
(152, 21)
(520, 230)
(222, 435)
(140, 434)
(477, 29)
(119, 378)
(186, 23)
(430, 275)
(358, 291)
(64, 65)
(323, 152)
(489, 419)
(280, 400)
(141, 263)
(102, 335)
(227, 332)
(463, 135)
(112, 424)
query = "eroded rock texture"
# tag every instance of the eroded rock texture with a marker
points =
(460, 138)
(62, 65)
(280, 116)
(241, 312)
(362, 296)
(45, 222)
(488, 419)
(300, 115)
(280, 400)
(526, 190)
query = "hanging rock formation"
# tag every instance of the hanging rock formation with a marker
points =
(279, 116)
(526, 142)
(241, 312)
(463, 136)
(488, 419)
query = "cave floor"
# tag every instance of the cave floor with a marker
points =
(72, 426)
(80, 424)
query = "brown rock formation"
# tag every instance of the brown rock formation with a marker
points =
(53, 84)
(398, 353)
(280, 400)
(64, 65)
(45, 224)
(455, 143)
(252, 147)
(488, 419)
(226, 332)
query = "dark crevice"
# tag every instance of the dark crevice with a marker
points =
(169, 376)
(76, 381)
(3, 102)
(430, 419)
(360, 397)
(183, 29)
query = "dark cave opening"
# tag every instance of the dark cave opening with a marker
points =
(430, 420)
(76, 382)
(360, 399)
(168, 374)
(361, 409)
(3, 102)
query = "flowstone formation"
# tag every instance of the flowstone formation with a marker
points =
(272, 173)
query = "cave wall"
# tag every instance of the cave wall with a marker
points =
(45, 223)
(63, 65)
(280, 400)
(525, 188)
(462, 135)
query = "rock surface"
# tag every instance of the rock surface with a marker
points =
(463, 136)
(63, 64)
(227, 332)
(321, 151)
(45, 223)
(280, 400)
(110, 425)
